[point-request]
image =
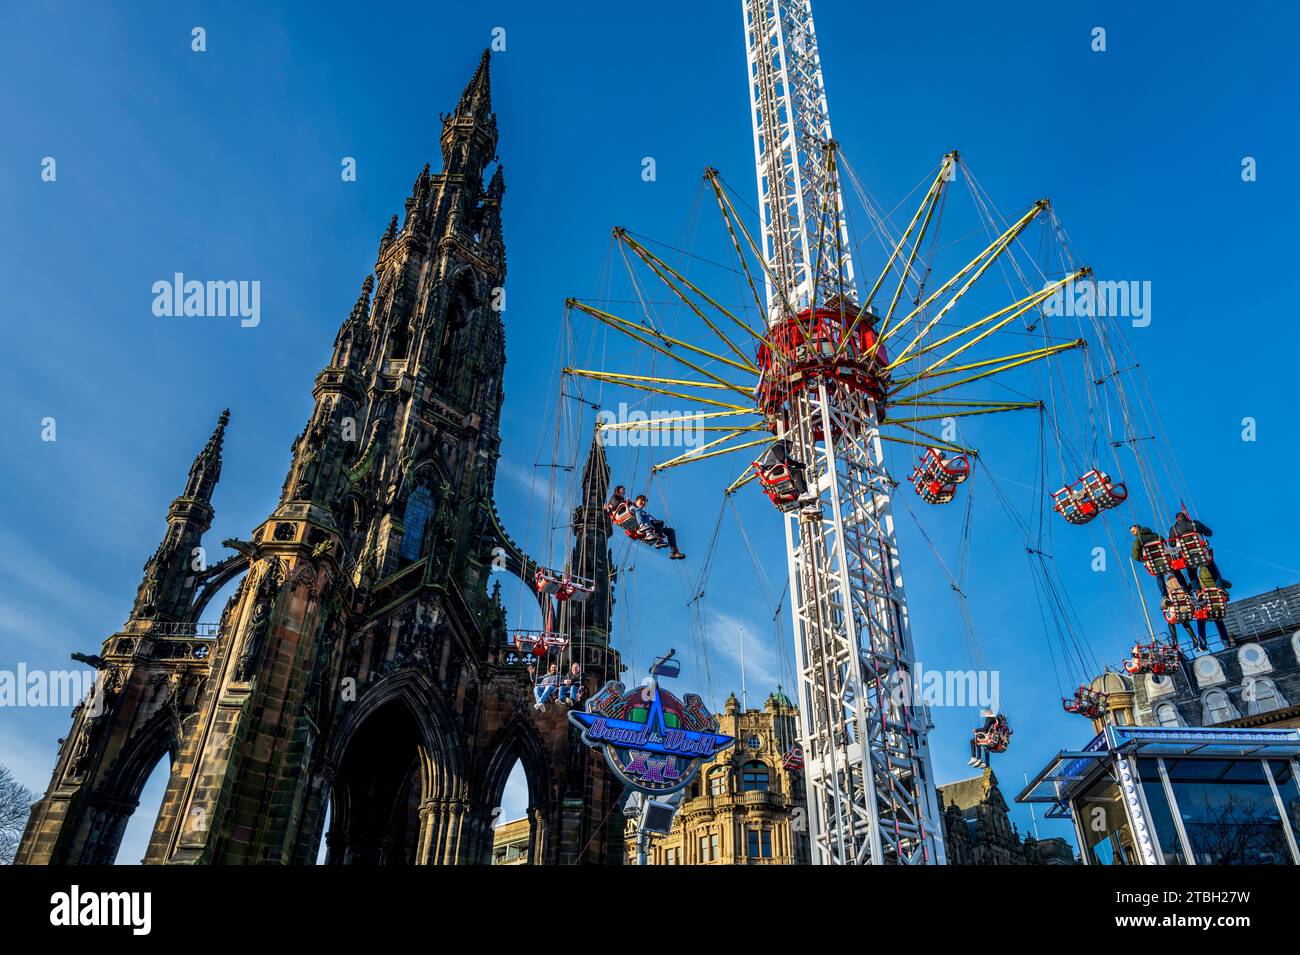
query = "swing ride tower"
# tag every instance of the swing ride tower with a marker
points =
(833, 373)
(870, 791)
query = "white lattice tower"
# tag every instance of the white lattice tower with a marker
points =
(870, 790)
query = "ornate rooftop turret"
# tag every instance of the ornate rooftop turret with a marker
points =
(168, 584)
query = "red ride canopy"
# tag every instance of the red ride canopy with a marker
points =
(804, 347)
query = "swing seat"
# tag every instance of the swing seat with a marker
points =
(1167, 660)
(1212, 604)
(1195, 550)
(539, 643)
(936, 479)
(997, 737)
(563, 586)
(800, 351)
(623, 517)
(1178, 607)
(1157, 657)
(777, 484)
(793, 759)
(1087, 497)
(1156, 558)
(1086, 702)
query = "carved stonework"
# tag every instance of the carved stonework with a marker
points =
(375, 673)
(259, 624)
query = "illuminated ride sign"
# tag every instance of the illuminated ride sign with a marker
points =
(652, 741)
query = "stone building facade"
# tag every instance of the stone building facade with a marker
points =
(1253, 682)
(978, 830)
(745, 806)
(358, 673)
(510, 842)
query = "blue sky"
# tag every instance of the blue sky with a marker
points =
(225, 165)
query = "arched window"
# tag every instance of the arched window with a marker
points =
(718, 782)
(1218, 708)
(754, 777)
(1167, 715)
(1261, 696)
(415, 521)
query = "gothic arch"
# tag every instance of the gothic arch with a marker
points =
(429, 477)
(516, 742)
(115, 800)
(393, 755)
(465, 296)
(377, 789)
(353, 513)
(463, 278)
(158, 737)
(441, 745)
(219, 575)
(428, 471)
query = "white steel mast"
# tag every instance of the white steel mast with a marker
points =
(870, 790)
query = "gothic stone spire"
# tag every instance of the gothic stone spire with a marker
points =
(476, 101)
(206, 469)
(469, 133)
(168, 582)
(595, 473)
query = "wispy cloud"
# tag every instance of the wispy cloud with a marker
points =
(528, 481)
(763, 660)
(47, 605)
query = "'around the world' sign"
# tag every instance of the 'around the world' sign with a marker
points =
(652, 741)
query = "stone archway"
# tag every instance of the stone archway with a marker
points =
(377, 792)
(517, 743)
(396, 791)
(111, 805)
(504, 554)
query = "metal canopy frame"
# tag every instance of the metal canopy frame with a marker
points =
(1072, 770)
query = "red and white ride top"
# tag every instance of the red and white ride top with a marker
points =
(802, 348)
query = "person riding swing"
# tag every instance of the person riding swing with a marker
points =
(777, 455)
(1142, 536)
(1184, 524)
(646, 519)
(993, 732)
